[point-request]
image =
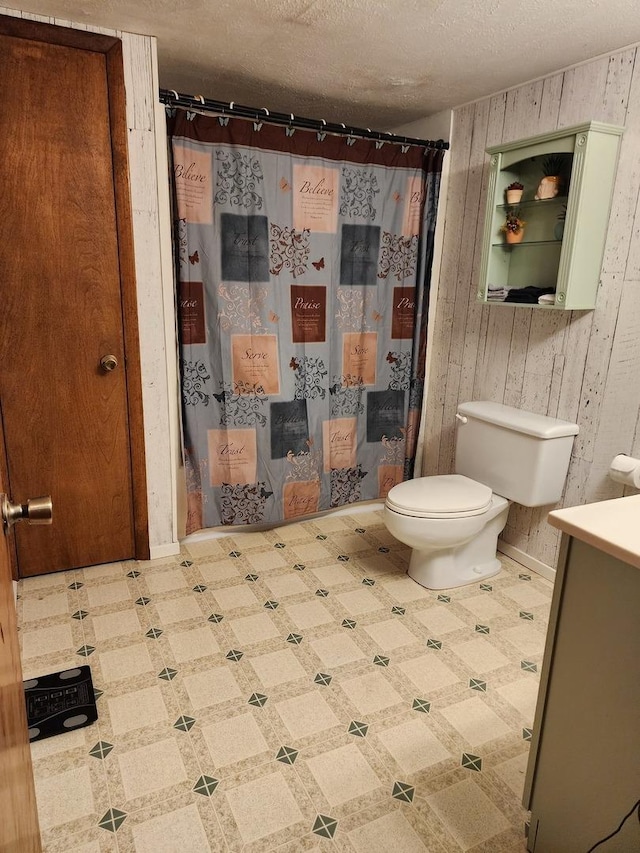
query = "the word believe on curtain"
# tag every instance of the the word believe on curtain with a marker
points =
(303, 260)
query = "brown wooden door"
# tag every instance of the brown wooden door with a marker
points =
(65, 245)
(19, 831)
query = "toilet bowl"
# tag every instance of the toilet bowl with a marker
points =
(452, 521)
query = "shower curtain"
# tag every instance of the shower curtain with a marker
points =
(303, 261)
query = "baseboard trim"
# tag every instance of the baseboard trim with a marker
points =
(525, 560)
(157, 552)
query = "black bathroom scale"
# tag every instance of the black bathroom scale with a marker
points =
(60, 702)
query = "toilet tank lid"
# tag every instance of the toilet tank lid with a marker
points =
(529, 423)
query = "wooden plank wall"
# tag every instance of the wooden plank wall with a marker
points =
(582, 366)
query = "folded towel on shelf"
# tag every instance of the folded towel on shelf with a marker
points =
(497, 293)
(528, 295)
(547, 299)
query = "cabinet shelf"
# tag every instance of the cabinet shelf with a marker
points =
(571, 264)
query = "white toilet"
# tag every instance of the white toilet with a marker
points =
(453, 521)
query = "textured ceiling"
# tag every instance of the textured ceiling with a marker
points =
(374, 63)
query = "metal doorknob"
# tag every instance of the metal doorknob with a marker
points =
(108, 362)
(35, 511)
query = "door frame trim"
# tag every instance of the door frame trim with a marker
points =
(111, 47)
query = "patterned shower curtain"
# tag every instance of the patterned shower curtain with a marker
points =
(303, 262)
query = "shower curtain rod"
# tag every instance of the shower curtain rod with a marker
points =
(172, 98)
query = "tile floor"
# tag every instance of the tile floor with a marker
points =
(288, 690)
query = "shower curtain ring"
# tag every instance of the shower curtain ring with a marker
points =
(231, 103)
(199, 98)
(266, 111)
(175, 94)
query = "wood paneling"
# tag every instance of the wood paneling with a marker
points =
(580, 365)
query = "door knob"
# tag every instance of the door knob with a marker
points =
(108, 362)
(35, 511)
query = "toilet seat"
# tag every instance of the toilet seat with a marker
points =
(442, 496)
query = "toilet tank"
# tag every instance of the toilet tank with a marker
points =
(520, 455)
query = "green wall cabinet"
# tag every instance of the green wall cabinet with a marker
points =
(562, 241)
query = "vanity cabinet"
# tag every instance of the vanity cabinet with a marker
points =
(564, 235)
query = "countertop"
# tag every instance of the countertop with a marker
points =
(612, 526)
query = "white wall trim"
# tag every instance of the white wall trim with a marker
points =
(525, 560)
(158, 552)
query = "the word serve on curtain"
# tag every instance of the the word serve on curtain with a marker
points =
(303, 260)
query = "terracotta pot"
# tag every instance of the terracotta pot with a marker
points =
(514, 236)
(514, 196)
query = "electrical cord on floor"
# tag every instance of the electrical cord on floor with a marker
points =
(616, 831)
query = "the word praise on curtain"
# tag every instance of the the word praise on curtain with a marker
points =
(302, 264)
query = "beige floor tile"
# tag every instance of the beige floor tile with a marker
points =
(371, 692)
(266, 561)
(331, 575)
(137, 709)
(413, 745)
(60, 743)
(159, 582)
(44, 606)
(350, 543)
(211, 687)
(254, 629)
(176, 831)
(309, 615)
(103, 570)
(45, 641)
(522, 694)
(277, 668)
(306, 715)
(331, 524)
(178, 609)
(204, 547)
(343, 774)
(390, 634)
(263, 806)
(27, 586)
(526, 639)
(194, 644)
(476, 722)
(255, 539)
(234, 739)
(219, 571)
(108, 593)
(359, 601)
(126, 662)
(118, 624)
(233, 597)
(428, 673)
(439, 620)
(311, 551)
(513, 771)
(390, 832)
(526, 595)
(484, 606)
(337, 649)
(405, 590)
(468, 813)
(64, 797)
(285, 585)
(151, 768)
(480, 655)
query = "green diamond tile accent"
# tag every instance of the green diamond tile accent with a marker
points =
(101, 749)
(199, 587)
(279, 545)
(234, 654)
(186, 563)
(206, 785)
(486, 587)
(445, 598)
(343, 558)
(348, 623)
(133, 574)
(357, 728)
(483, 629)
(323, 593)
(271, 605)
(215, 617)
(97, 693)
(296, 639)
(528, 666)
(368, 582)
(381, 660)
(112, 820)
(299, 567)
(323, 678)
(321, 537)
(524, 614)
(235, 553)
(325, 826)
(287, 754)
(434, 644)
(143, 601)
(524, 577)
(383, 550)
(477, 684)
(398, 611)
(154, 633)
(527, 734)
(251, 578)
(360, 530)
(421, 705)
(80, 614)
(184, 724)
(257, 699)
(75, 585)
(85, 651)
(404, 792)
(471, 762)
(168, 674)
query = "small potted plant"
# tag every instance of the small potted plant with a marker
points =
(513, 228)
(514, 192)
